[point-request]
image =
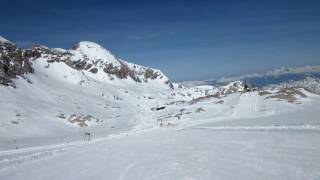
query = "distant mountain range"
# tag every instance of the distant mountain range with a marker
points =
(273, 77)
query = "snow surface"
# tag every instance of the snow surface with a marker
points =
(60, 50)
(246, 137)
(271, 148)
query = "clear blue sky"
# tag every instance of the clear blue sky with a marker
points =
(187, 40)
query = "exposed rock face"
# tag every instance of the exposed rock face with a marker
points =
(13, 62)
(82, 62)
(94, 58)
(170, 84)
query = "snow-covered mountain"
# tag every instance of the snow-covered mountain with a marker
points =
(57, 91)
(46, 91)
(87, 57)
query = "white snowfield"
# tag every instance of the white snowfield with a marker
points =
(149, 131)
(267, 140)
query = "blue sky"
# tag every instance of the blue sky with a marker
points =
(188, 40)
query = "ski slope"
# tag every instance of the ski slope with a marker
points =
(282, 145)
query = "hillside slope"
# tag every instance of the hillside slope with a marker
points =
(62, 93)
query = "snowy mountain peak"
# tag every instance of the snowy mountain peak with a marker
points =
(95, 52)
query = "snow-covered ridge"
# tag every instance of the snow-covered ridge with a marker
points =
(95, 62)
(94, 52)
(3, 40)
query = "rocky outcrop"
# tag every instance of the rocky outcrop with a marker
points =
(13, 62)
(83, 62)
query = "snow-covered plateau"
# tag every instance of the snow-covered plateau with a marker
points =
(143, 126)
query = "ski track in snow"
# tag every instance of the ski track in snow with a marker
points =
(25, 155)
(6, 162)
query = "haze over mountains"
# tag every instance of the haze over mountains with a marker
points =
(275, 76)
